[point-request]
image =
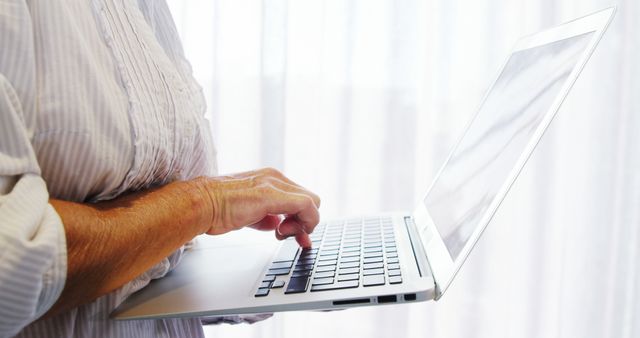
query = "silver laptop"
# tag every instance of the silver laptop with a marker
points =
(393, 258)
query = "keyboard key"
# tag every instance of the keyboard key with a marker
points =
(352, 249)
(395, 280)
(265, 285)
(270, 278)
(351, 254)
(297, 285)
(394, 266)
(331, 247)
(373, 266)
(394, 273)
(262, 292)
(325, 263)
(349, 265)
(371, 250)
(328, 257)
(372, 260)
(308, 256)
(303, 267)
(324, 274)
(348, 271)
(288, 251)
(391, 250)
(392, 260)
(372, 254)
(326, 268)
(282, 265)
(373, 280)
(278, 272)
(305, 261)
(336, 286)
(350, 259)
(301, 273)
(277, 284)
(392, 255)
(322, 281)
(374, 272)
(352, 276)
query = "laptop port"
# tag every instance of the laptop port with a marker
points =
(387, 299)
(351, 301)
(410, 296)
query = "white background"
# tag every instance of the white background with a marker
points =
(360, 101)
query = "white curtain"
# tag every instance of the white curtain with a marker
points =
(361, 101)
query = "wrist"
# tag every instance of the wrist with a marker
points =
(201, 203)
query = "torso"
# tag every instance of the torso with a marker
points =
(117, 110)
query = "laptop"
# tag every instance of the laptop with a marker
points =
(399, 257)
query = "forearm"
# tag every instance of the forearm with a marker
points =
(110, 243)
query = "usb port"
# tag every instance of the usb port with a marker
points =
(410, 296)
(387, 299)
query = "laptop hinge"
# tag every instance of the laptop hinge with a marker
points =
(418, 251)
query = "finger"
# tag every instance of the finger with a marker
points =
(302, 206)
(284, 186)
(284, 179)
(289, 227)
(304, 240)
(268, 223)
(279, 179)
(278, 174)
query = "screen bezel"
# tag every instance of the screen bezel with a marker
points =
(443, 266)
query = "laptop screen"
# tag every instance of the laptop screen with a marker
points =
(482, 161)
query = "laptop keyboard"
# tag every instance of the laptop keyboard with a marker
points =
(349, 254)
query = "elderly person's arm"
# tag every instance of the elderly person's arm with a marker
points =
(87, 250)
(113, 242)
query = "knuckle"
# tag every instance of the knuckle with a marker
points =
(269, 171)
(252, 181)
(306, 201)
(262, 191)
(317, 199)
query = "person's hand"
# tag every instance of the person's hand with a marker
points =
(263, 199)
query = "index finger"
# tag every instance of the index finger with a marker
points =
(301, 206)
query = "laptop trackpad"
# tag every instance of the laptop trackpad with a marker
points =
(218, 273)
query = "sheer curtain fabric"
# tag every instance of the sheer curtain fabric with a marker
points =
(362, 100)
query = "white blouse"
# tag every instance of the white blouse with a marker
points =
(96, 99)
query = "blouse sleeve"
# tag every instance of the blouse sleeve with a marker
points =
(33, 258)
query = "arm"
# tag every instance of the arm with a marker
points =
(110, 243)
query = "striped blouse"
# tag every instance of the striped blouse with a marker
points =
(96, 99)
